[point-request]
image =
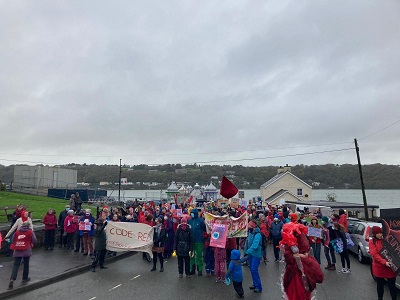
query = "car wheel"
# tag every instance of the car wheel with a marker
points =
(361, 257)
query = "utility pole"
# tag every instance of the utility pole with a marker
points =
(119, 181)
(362, 181)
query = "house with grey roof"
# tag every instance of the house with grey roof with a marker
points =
(284, 187)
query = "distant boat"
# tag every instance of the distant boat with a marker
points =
(331, 187)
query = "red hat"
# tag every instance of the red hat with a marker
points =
(376, 230)
(293, 217)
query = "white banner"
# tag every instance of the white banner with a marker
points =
(128, 236)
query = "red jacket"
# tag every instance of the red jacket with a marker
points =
(379, 269)
(69, 225)
(343, 222)
(50, 221)
(264, 229)
(231, 243)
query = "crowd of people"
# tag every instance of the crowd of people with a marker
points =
(186, 237)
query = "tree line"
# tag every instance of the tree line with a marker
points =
(376, 176)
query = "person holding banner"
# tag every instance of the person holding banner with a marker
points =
(100, 241)
(381, 267)
(158, 245)
(198, 228)
(183, 247)
(253, 253)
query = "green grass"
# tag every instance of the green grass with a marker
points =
(38, 205)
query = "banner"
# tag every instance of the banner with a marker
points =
(391, 243)
(237, 227)
(218, 235)
(85, 226)
(127, 236)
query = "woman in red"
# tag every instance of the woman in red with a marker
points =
(302, 271)
(381, 267)
(50, 225)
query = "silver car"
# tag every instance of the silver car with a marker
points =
(360, 234)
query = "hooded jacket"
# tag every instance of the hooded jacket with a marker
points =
(198, 226)
(253, 244)
(27, 252)
(235, 267)
(276, 229)
(183, 241)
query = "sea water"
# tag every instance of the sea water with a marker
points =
(383, 198)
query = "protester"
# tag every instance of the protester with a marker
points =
(344, 255)
(78, 202)
(78, 238)
(50, 225)
(69, 229)
(170, 235)
(198, 228)
(209, 258)
(343, 220)
(315, 242)
(275, 233)
(183, 246)
(72, 202)
(219, 263)
(235, 273)
(381, 267)
(230, 245)
(265, 232)
(329, 252)
(302, 272)
(87, 234)
(252, 252)
(22, 243)
(24, 219)
(158, 245)
(61, 219)
(100, 242)
(1, 241)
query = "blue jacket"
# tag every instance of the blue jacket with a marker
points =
(235, 267)
(253, 244)
(198, 226)
(91, 220)
(276, 229)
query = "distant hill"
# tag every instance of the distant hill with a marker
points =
(376, 176)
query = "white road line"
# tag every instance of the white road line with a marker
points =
(115, 287)
(92, 298)
(135, 277)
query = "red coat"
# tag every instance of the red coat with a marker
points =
(264, 229)
(343, 222)
(69, 225)
(379, 269)
(50, 222)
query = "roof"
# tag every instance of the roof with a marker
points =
(172, 187)
(279, 176)
(278, 194)
(210, 188)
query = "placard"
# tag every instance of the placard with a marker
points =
(223, 203)
(218, 235)
(391, 248)
(176, 213)
(315, 232)
(241, 194)
(84, 226)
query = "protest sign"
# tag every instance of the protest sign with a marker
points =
(85, 226)
(176, 213)
(223, 203)
(235, 202)
(315, 232)
(218, 235)
(127, 236)
(237, 227)
(391, 236)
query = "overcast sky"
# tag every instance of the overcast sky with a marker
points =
(158, 82)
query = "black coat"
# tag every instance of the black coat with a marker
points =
(183, 241)
(159, 239)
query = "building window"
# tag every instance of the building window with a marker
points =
(299, 192)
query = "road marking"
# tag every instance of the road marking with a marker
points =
(135, 277)
(92, 298)
(115, 287)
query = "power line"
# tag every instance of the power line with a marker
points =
(382, 129)
(171, 154)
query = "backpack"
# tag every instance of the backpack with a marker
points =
(263, 241)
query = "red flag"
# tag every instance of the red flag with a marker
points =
(228, 189)
(176, 199)
(190, 199)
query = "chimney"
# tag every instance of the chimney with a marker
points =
(287, 168)
(280, 170)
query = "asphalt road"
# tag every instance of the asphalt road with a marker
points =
(130, 278)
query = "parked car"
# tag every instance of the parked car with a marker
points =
(351, 221)
(360, 234)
